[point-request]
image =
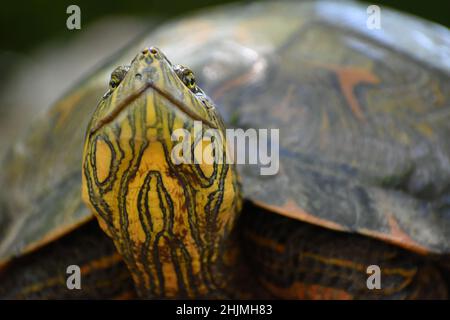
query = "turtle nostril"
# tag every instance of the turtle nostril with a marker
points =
(145, 51)
(153, 50)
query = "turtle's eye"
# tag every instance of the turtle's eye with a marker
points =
(189, 80)
(117, 76)
(187, 76)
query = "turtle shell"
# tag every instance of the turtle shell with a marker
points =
(363, 118)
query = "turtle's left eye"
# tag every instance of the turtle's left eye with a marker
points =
(187, 76)
(189, 80)
(117, 76)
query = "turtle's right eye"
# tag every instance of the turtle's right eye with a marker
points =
(187, 76)
(117, 76)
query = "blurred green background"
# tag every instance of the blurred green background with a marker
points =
(23, 25)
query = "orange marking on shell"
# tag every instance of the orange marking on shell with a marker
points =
(300, 290)
(101, 263)
(284, 112)
(401, 236)
(128, 295)
(39, 286)
(265, 242)
(49, 237)
(314, 292)
(348, 78)
(236, 82)
(64, 108)
(396, 236)
(291, 210)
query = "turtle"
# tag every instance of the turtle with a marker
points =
(358, 206)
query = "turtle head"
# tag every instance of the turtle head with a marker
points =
(152, 75)
(168, 209)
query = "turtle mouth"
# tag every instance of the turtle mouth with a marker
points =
(179, 105)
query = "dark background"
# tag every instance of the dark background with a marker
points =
(23, 25)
